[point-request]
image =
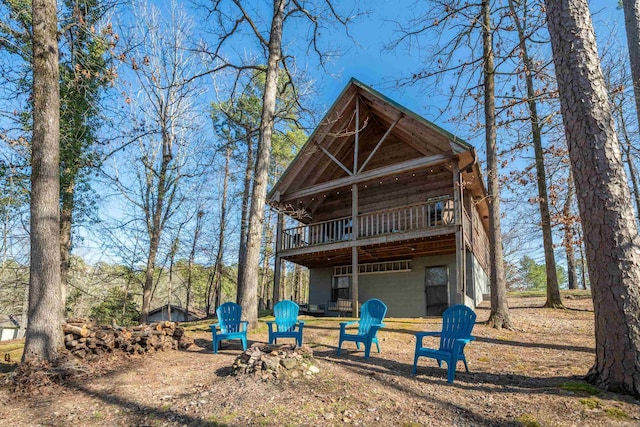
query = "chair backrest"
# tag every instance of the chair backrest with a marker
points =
(229, 315)
(371, 313)
(457, 322)
(286, 313)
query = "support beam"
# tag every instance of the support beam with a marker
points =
(335, 160)
(357, 138)
(355, 270)
(459, 224)
(386, 134)
(407, 166)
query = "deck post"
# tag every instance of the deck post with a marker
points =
(277, 268)
(355, 271)
(459, 224)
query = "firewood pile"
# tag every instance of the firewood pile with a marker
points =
(267, 362)
(88, 341)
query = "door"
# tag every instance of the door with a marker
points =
(436, 288)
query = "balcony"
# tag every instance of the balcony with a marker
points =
(436, 212)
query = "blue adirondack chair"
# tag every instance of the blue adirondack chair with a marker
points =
(286, 313)
(229, 324)
(371, 314)
(457, 323)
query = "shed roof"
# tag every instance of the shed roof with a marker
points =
(192, 311)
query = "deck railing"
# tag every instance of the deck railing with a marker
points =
(435, 212)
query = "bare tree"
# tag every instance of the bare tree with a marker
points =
(520, 21)
(314, 14)
(217, 279)
(569, 235)
(165, 128)
(499, 316)
(459, 29)
(192, 255)
(46, 307)
(610, 232)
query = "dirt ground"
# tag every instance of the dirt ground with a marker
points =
(530, 377)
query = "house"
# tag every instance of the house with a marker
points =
(178, 314)
(9, 327)
(381, 203)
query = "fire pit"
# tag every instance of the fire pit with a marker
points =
(267, 362)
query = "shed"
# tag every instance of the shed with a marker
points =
(178, 314)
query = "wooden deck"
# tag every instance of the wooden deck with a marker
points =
(401, 221)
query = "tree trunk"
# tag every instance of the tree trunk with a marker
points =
(244, 217)
(553, 290)
(223, 224)
(248, 297)
(66, 221)
(572, 276)
(499, 316)
(155, 224)
(611, 236)
(192, 256)
(267, 251)
(46, 308)
(632, 25)
(172, 256)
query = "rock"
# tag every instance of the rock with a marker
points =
(270, 363)
(314, 369)
(288, 363)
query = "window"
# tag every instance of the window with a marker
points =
(436, 286)
(375, 267)
(341, 288)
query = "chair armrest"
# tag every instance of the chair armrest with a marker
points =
(245, 324)
(214, 328)
(351, 322)
(427, 334)
(421, 335)
(301, 323)
(343, 325)
(459, 343)
(466, 340)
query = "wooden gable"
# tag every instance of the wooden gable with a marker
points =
(387, 134)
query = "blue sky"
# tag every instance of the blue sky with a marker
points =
(369, 62)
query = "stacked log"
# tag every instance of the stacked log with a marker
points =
(88, 341)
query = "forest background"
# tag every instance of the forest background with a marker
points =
(138, 71)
